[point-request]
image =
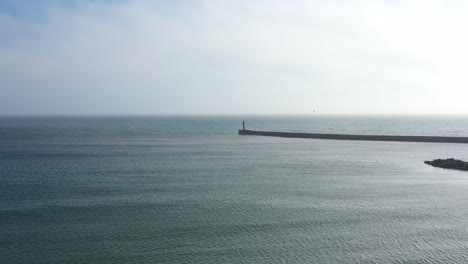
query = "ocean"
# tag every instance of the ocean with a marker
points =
(182, 189)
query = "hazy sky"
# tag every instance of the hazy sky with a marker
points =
(233, 57)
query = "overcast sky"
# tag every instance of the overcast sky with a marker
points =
(233, 57)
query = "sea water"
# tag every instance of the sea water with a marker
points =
(191, 190)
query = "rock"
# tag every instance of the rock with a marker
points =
(451, 163)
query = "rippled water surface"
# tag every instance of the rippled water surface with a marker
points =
(190, 190)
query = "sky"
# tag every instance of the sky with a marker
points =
(216, 57)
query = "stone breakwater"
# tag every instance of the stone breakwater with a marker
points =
(429, 139)
(453, 164)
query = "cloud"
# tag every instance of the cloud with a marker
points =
(234, 57)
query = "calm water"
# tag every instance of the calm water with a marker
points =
(190, 190)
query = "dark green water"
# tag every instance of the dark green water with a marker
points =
(190, 190)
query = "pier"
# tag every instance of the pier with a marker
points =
(429, 139)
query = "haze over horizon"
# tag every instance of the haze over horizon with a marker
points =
(206, 57)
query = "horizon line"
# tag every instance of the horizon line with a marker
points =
(234, 115)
